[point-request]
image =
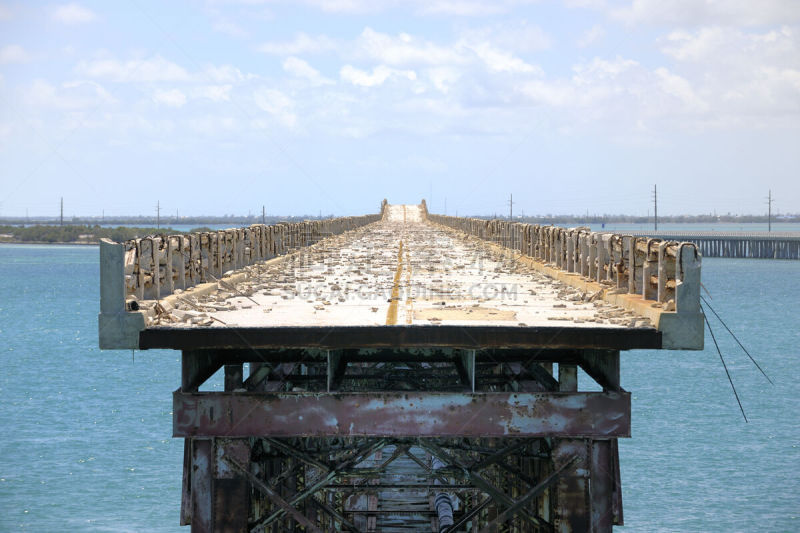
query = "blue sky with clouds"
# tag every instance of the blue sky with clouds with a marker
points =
(304, 106)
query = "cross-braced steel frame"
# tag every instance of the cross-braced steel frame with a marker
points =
(401, 440)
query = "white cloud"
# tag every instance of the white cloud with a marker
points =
(403, 50)
(520, 36)
(741, 75)
(500, 61)
(154, 69)
(591, 36)
(224, 74)
(276, 104)
(377, 77)
(72, 95)
(13, 53)
(602, 69)
(709, 12)
(301, 69)
(301, 44)
(171, 97)
(681, 89)
(73, 14)
(215, 93)
(443, 78)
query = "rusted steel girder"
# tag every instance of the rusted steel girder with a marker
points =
(399, 414)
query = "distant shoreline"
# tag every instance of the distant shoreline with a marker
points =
(60, 243)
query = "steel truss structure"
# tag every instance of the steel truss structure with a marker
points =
(399, 440)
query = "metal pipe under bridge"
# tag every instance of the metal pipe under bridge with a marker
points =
(754, 245)
(401, 371)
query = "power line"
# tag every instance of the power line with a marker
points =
(655, 207)
(769, 211)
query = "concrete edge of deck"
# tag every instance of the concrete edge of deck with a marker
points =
(419, 336)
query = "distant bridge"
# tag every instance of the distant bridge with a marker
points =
(756, 245)
(401, 367)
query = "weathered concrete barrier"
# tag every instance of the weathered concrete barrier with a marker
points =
(153, 267)
(661, 273)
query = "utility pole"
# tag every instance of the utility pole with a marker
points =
(769, 211)
(61, 223)
(445, 205)
(263, 215)
(655, 206)
(158, 214)
(511, 207)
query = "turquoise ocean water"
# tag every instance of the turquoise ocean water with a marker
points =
(86, 440)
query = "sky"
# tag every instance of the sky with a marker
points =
(328, 106)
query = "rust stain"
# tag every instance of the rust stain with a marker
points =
(391, 313)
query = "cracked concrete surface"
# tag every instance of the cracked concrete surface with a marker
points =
(401, 270)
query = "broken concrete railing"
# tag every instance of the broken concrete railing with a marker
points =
(656, 278)
(151, 268)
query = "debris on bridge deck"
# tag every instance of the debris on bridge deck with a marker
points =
(400, 270)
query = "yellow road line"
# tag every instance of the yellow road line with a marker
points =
(409, 299)
(391, 313)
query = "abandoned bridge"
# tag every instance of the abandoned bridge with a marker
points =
(402, 371)
(736, 244)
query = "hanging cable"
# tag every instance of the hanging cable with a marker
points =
(737, 340)
(724, 365)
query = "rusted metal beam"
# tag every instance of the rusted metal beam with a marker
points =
(294, 452)
(361, 454)
(231, 489)
(573, 510)
(421, 336)
(396, 414)
(202, 486)
(346, 524)
(197, 366)
(337, 366)
(476, 479)
(520, 504)
(603, 367)
(468, 516)
(601, 487)
(186, 484)
(498, 456)
(233, 377)
(258, 373)
(542, 376)
(274, 496)
(616, 497)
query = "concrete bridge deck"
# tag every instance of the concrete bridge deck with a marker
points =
(396, 372)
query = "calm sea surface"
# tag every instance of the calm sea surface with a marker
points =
(86, 440)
